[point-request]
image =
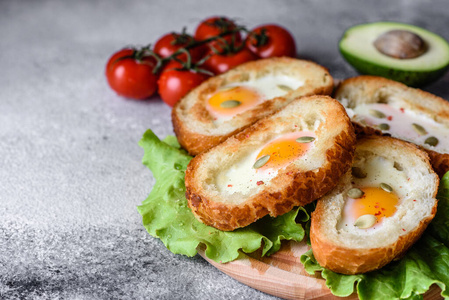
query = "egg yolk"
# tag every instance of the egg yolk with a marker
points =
(234, 100)
(282, 151)
(375, 202)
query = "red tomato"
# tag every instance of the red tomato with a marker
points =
(271, 40)
(174, 84)
(214, 26)
(130, 77)
(220, 63)
(171, 42)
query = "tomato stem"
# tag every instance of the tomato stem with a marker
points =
(260, 39)
(184, 37)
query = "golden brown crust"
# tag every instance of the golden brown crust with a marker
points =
(371, 89)
(356, 260)
(292, 186)
(193, 125)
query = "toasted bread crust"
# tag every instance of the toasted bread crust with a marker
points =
(290, 188)
(353, 260)
(358, 261)
(193, 124)
(371, 89)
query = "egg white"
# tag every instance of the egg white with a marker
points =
(400, 120)
(268, 87)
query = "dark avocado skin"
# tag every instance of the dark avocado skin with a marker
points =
(410, 78)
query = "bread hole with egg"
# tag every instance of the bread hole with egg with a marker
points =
(228, 103)
(287, 159)
(379, 209)
(381, 106)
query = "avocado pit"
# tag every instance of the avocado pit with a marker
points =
(400, 44)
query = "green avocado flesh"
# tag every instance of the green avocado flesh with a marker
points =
(357, 47)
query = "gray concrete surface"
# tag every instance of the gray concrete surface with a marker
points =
(70, 167)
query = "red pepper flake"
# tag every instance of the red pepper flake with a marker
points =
(376, 206)
(414, 200)
(378, 213)
(260, 182)
(296, 125)
(403, 229)
(247, 136)
(229, 185)
(383, 209)
(389, 118)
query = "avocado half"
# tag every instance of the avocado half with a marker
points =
(357, 47)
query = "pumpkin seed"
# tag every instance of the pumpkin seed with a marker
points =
(432, 141)
(365, 221)
(377, 114)
(284, 87)
(419, 129)
(397, 166)
(261, 161)
(305, 139)
(386, 187)
(355, 193)
(358, 172)
(384, 126)
(230, 103)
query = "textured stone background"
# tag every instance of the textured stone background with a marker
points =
(70, 167)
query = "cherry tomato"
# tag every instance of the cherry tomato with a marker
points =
(220, 63)
(130, 77)
(171, 42)
(214, 26)
(271, 40)
(174, 84)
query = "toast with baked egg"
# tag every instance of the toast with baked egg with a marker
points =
(381, 106)
(225, 104)
(378, 210)
(286, 159)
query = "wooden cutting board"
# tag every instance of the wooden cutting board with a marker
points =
(282, 274)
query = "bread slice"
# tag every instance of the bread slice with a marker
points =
(225, 191)
(198, 128)
(338, 242)
(402, 107)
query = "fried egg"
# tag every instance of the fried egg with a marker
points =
(236, 98)
(378, 187)
(263, 164)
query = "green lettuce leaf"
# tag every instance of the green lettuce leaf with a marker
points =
(426, 263)
(166, 215)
